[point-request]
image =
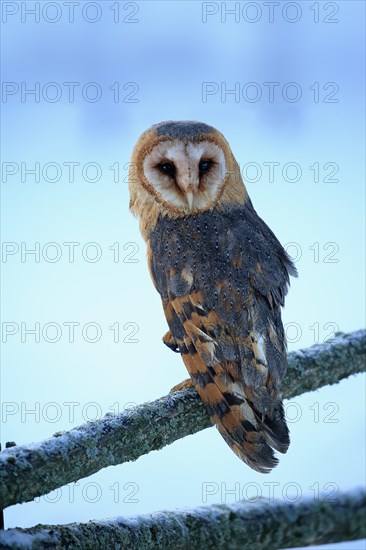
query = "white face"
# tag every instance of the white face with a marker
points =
(187, 175)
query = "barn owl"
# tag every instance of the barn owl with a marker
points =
(222, 276)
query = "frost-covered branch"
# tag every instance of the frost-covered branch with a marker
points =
(33, 470)
(242, 526)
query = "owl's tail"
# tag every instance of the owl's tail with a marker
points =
(257, 441)
(248, 413)
(250, 434)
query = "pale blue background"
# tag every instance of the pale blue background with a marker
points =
(169, 52)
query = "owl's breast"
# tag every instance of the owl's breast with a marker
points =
(229, 257)
(200, 252)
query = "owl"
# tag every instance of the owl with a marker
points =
(222, 276)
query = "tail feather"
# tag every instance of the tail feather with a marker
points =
(242, 427)
(249, 445)
(275, 430)
(217, 374)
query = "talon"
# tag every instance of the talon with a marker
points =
(170, 341)
(185, 385)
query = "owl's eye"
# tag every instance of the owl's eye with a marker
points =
(167, 168)
(204, 166)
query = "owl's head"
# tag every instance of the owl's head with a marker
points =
(182, 168)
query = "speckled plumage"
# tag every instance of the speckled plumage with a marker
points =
(222, 276)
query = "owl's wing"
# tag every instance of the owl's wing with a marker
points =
(223, 281)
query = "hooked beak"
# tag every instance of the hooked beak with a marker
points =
(189, 196)
(189, 188)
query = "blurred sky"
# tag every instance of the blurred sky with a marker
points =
(139, 63)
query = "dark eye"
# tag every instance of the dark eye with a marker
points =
(167, 168)
(204, 166)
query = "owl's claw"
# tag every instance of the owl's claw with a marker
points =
(170, 341)
(185, 385)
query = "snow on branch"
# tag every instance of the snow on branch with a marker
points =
(28, 471)
(243, 526)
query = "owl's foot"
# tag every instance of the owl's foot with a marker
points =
(170, 341)
(185, 385)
